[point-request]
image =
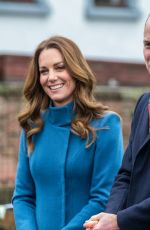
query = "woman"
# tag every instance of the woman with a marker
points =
(71, 145)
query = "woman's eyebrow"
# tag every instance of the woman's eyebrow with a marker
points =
(57, 63)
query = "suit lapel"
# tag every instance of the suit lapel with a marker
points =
(143, 135)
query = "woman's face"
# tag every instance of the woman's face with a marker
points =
(55, 78)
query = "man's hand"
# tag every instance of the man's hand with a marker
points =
(102, 221)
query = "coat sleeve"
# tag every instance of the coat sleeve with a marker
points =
(107, 160)
(24, 194)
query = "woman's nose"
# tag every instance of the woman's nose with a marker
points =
(52, 76)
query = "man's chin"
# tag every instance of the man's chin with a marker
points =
(148, 69)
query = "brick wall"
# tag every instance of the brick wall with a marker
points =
(14, 67)
(126, 74)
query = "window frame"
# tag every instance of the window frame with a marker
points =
(18, 1)
(35, 8)
(110, 12)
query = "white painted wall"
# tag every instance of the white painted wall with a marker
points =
(98, 39)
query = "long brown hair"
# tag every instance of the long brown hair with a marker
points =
(86, 106)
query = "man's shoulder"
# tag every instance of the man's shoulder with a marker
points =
(144, 99)
(146, 95)
(141, 105)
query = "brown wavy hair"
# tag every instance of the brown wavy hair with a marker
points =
(86, 106)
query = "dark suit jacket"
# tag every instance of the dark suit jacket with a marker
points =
(130, 196)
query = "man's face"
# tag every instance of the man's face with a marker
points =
(146, 49)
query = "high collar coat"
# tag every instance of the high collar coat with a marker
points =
(62, 183)
(130, 196)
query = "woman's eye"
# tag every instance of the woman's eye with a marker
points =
(62, 67)
(43, 72)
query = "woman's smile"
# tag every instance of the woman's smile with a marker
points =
(56, 86)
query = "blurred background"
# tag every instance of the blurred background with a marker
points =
(109, 34)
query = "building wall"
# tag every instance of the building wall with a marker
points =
(99, 39)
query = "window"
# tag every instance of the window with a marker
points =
(24, 7)
(112, 9)
(112, 3)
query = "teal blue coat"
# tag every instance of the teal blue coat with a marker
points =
(63, 183)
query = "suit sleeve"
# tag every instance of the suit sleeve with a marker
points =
(119, 191)
(108, 157)
(24, 194)
(136, 216)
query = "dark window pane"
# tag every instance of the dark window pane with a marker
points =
(112, 3)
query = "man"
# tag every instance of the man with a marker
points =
(129, 203)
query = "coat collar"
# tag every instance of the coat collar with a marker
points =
(61, 116)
